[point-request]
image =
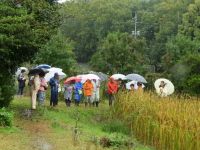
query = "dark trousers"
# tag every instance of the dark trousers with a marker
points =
(54, 99)
(111, 99)
(68, 102)
(20, 91)
(77, 103)
(96, 104)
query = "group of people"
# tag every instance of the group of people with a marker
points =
(76, 90)
(90, 90)
(114, 86)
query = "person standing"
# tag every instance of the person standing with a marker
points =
(140, 88)
(21, 82)
(42, 89)
(35, 86)
(68, 94)
(96, 92)
(78, 91)
(54, 83)
(162, 89)
(88, 91)
(112, 87)
(132, 88)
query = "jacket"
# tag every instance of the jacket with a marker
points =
(88, 88)
(112, 87)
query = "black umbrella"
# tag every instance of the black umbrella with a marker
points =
(36, 71)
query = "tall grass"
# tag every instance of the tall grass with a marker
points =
(165, 123)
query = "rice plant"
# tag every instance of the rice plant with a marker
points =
(165, 123)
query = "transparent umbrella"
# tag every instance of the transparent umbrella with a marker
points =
(20, 69)
(136, 77)
(118, 76)
(101, 75)
(128, 85)
(88, 76)
(52, 72)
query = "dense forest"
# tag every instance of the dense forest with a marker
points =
(155, 38)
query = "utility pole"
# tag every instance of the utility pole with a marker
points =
(135, 32)
(135, 25)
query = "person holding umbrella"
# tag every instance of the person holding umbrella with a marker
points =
(54, 83)
(162, 87)
(42, 89)
(35, 86)
(96, 92)
(78, 91)
(112, 87)
(21, 82)
(88, 91)
(140, 88)
(68, 92)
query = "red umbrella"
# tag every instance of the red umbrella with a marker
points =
(71, 79)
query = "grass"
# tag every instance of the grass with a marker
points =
(165, 123)
(63, 128)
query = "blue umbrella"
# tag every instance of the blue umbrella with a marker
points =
(136, 77)
(44, 66)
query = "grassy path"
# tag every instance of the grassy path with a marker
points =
(61, 128)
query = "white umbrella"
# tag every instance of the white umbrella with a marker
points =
(20, 69)
(88, 76)
(52, 72)
(136, 77)
(168, 88)
(118, 76)
(101, 75)
(128, 85)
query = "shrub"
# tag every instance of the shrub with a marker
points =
(6, 89)
(6, 117)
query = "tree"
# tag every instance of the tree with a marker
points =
(17, 44)
(88, 22)
(58, 52)
(119, 52)
(190, 23)
(23, 31)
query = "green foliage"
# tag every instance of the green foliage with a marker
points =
(6, 117)
(88, 22)
(25, 27)
(58, 52)
(177, 48)
(17, 45)
(115, 126)
(7, 89)
(191, 19)
(119, 52)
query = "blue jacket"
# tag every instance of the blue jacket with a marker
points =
(54, 84)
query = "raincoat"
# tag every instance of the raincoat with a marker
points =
(54, 83)
(78, 91)
(88, 88)
(68, 91)
(96, 95)
(112, 87)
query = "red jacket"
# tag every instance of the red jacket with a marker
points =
(112, 87)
